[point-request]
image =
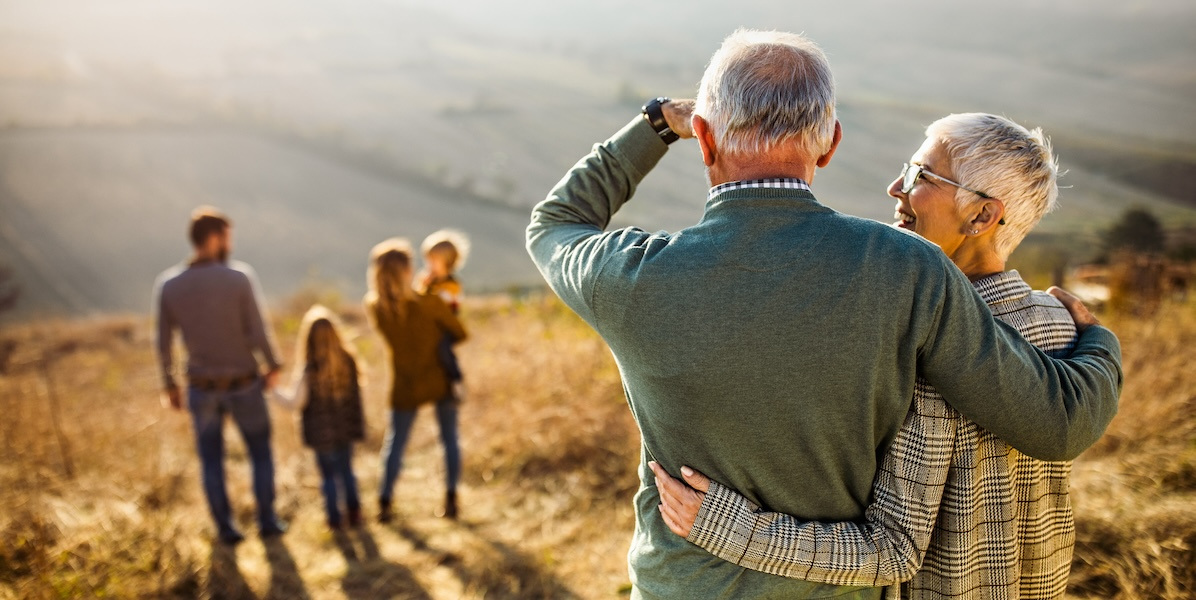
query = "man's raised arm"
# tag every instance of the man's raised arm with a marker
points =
(565, 237)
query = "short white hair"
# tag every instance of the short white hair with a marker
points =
(767, 88)
(1008, 162)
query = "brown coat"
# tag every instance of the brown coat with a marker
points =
(419, 378)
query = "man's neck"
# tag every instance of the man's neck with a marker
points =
(767, 166)
(200, 258)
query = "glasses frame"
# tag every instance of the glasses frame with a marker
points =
(908, 181)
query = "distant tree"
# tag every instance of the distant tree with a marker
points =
(1138, 231)
(8, 289)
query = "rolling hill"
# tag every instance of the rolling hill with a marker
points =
(322, 130)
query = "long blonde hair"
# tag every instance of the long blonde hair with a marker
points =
(390, 260)
(323, 356)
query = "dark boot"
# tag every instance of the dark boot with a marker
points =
(385, 515)
(450, 504)
(354, 517)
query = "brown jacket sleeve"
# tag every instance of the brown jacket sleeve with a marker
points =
(447, 320)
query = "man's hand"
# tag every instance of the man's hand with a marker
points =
(679, 503)
(678, 114)
(1079, 313)
(172, 398)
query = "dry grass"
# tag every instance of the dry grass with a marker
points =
(116, 510)
(1135, 491)
(100, 495)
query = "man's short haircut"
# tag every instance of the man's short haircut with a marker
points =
(207, 221)
(1006, 161)
(767, 88)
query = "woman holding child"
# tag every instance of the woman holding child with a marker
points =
(413, 326)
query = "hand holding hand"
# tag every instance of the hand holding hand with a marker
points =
(679, 503)
(272, 378)
(1079, 313)
(679, 114)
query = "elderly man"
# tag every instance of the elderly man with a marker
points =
(215, 305)
(775, 345)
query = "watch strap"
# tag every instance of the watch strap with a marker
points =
(654, 112)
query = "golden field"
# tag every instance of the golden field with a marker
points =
(100, 495)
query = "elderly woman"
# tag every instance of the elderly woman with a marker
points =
(955, 512)
(413, 326)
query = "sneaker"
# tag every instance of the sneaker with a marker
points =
(273, 529)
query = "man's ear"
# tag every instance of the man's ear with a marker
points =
(705, 139)
(988, 214)
(825, 159)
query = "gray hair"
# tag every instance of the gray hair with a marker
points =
(1006, 161)
(767, 88)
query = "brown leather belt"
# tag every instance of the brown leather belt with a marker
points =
(222, 384)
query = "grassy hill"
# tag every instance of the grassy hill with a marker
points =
(100, 488)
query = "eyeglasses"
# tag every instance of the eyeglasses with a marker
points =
(910, 174)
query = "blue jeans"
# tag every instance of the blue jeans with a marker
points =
(396, 441)
(248, 409)
(336, 466)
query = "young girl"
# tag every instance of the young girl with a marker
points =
(328, 393)
(413, 326)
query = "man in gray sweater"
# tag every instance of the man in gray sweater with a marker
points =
(774, 345)
(214, 303)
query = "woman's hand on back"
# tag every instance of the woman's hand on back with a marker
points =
(679, 503)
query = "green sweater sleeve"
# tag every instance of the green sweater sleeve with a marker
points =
(565, 237)
(1050, 409)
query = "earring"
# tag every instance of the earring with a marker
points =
(975, 231)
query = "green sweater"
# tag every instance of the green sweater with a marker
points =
(774, 346)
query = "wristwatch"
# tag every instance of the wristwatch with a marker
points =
(655, 115)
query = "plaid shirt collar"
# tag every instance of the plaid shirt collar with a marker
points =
(1006, 286)
(788, 183)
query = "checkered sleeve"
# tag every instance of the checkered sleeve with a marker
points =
(886, 549)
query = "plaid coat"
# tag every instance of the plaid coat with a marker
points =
(956, 512)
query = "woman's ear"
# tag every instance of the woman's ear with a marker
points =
(989, 214)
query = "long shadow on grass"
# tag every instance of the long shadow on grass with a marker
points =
(285, 582)
(369, 575)
(224, 577)
(497, 570)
